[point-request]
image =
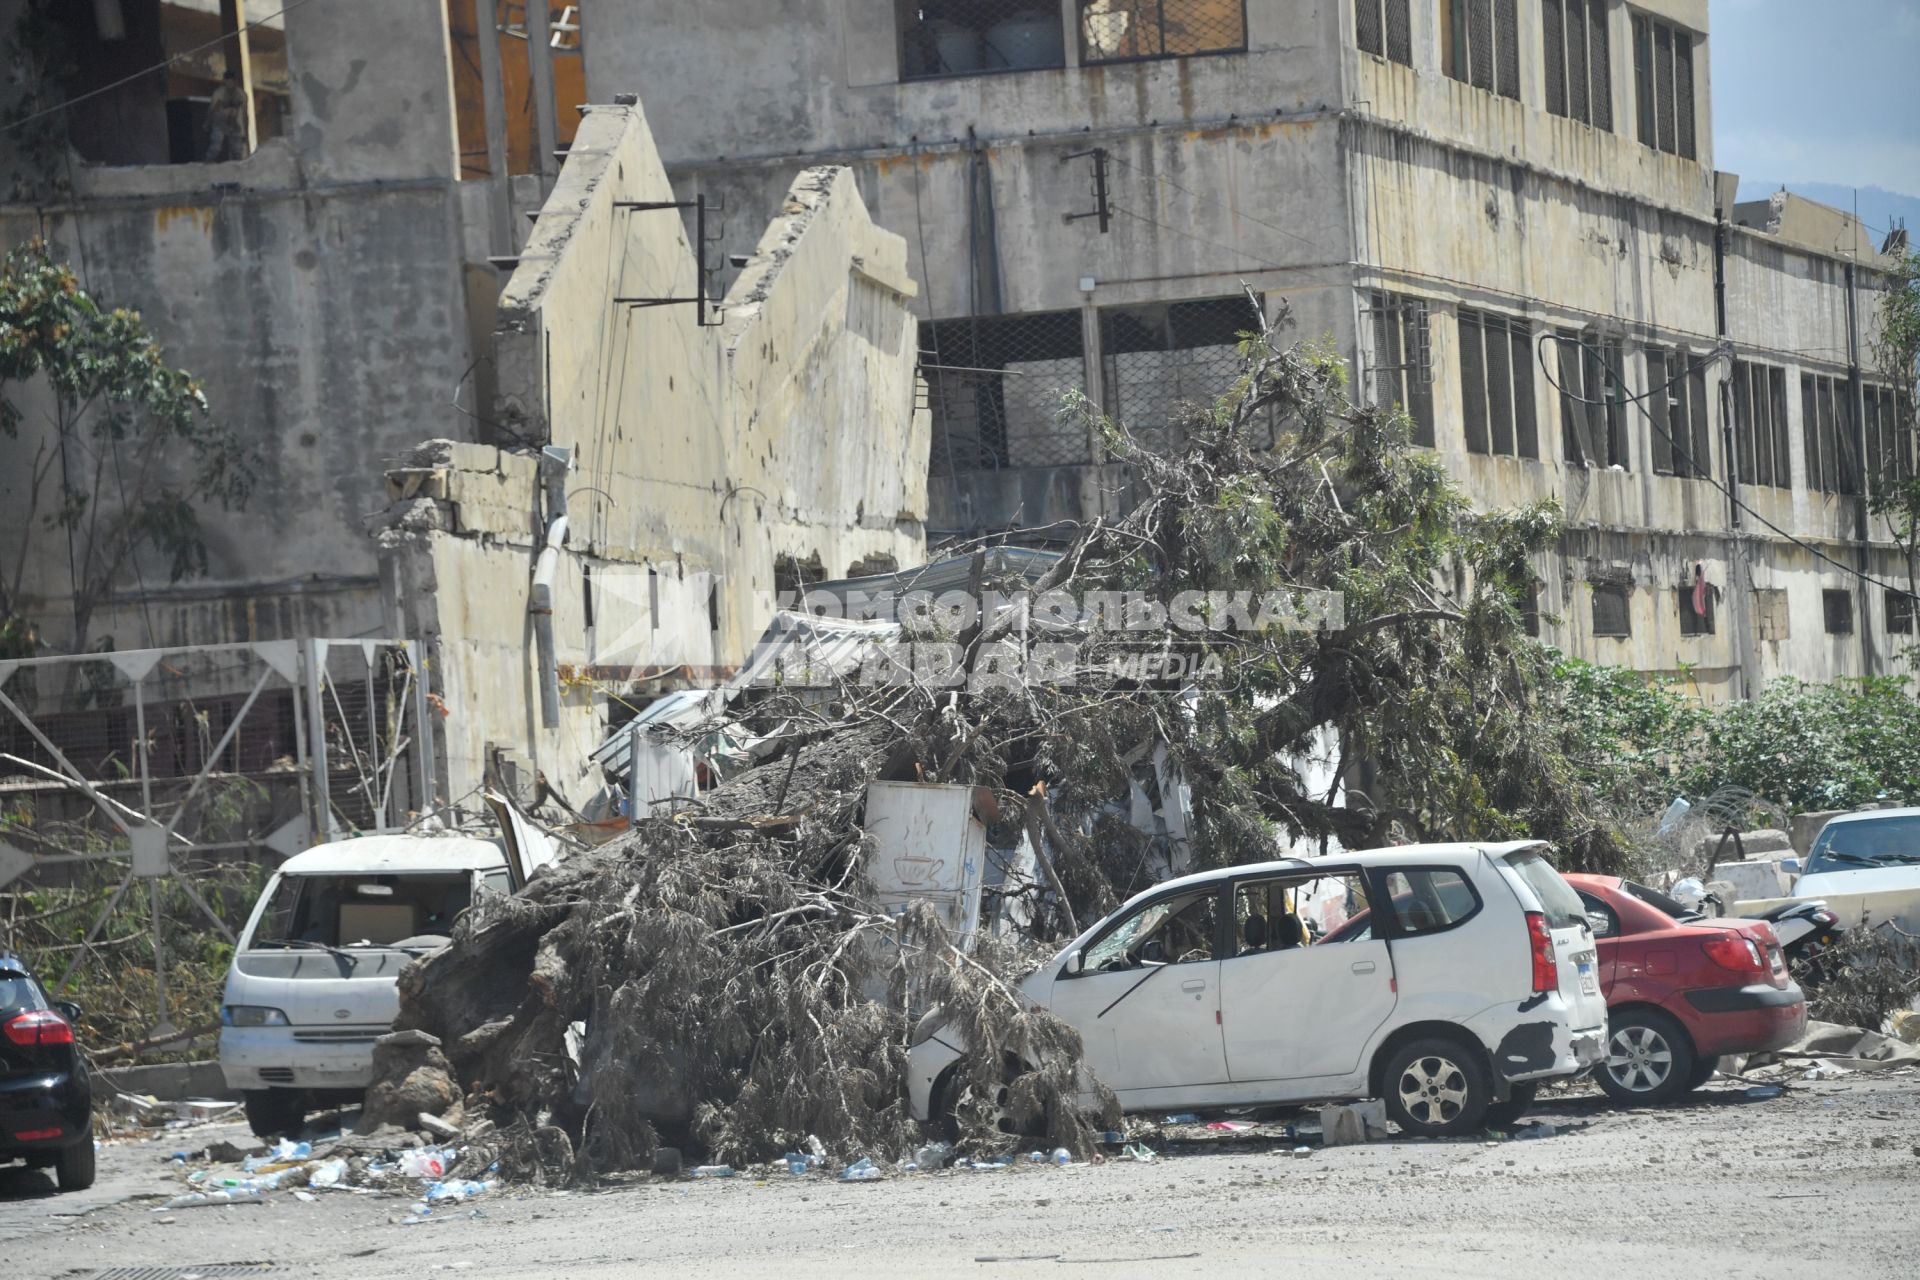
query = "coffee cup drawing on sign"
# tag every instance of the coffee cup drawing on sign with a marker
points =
(915, 870)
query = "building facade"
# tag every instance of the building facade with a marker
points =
(1504, 211)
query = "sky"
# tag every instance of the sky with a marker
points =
(1818, 91)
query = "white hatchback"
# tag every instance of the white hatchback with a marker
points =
(1462, 976)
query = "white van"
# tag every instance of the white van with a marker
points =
(312, 981)
(1462, 977)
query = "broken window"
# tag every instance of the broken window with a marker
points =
(1129, 30)
(1398, 363)
(1611, 613)
(1579, 60)
(1899, 613)
(1177, 930)
(1770, 613)
(1480, 44)
(975, 37)
(994, 387)
(1826, 431)
(1682, 443)
(1696, 614)
(1496, 383)
(1593, 399)
(1760, 424)
(1663, 86)
(1381, 28)
(146, 79)
(1837, 606)
(1158, 356)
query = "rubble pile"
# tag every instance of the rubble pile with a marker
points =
(720, 978)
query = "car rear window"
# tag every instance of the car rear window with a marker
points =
(1562, 904)
(1657, 900)
(18, 994)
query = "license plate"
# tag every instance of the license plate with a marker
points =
(1589, 981)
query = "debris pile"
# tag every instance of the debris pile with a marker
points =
(1292, 583)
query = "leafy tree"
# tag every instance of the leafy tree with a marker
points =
(127, 453)
(1896, 350)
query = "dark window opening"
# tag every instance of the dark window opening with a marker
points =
(995, 386)
(147, 81)
(1677, 404)
(976, 37)
(1826, 429)
(1890, 443)
(1696, 611)
(1760, 425)
(1612, 615)
(1399, 368)
(1480, 44)
(1837, 606)
(1381, 27)
(1496, 382)
(1133, 30)
(1663, 86)
(1579, 60)
(1157, 359)
(1593, 399)
(1899, 613)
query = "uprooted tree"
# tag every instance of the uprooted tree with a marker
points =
(718, 958)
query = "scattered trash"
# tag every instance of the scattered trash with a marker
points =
(1301, 1153)
(934, 1155)
(1062, 1156)
(1184, 1117)
(1141, 1152)
(424, 1162)
(456, 1190)
(1346, 1124)
(201, 1199)
(1761, 1092)
(711, 1171)
(1112, 1137)
(305, 1197)
(437, 1127)
(1541, 1130)
(328, 1174)
(861, 1170)
(1230, 1126)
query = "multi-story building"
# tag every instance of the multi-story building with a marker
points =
(1504, 211)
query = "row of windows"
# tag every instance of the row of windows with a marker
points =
(1613, 612)
(1480, 46)
(976, 37)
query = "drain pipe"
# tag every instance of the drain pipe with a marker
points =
(555, 463)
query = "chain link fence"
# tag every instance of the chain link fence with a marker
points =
(1129, 30)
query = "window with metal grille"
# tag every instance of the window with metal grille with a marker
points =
(1496, 385)
(1593, 403)
(977, 37)
(1837, 606)
(1682, 440)
(1663, 86)
(1760, 424)
(1826, 433)
(1158, 357)
(1382, 29)
(1399, 363)
(1579, 60)
(1612, 612)
(1480, 44)
(1899, 613)
(1692, 621)
(1130, 30)
(995, 386)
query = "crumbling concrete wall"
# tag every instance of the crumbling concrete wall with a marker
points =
(700, 454)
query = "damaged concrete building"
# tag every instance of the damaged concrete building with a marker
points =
(1505, 214)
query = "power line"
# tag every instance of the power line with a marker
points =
(1212, 244)
(162, 65)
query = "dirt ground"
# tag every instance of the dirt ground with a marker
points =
(1825, 1179)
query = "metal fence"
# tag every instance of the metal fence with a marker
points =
(1128, 30)
(977, 37)
(1161, 356)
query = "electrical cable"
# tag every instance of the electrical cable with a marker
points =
(162, 65)
(1637, 402)
(1212, 244)
(1238, 213)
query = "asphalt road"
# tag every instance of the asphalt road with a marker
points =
(1822, 1181)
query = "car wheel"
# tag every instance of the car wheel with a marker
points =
(1436, 1088)
(1502, 1115)
(966, 1106)
(1702, 1072)
(275, 1113)
(1649, 1061)
(74, 1168)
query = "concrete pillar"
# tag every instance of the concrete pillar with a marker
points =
(233, 38)
(540, 66)
(486, 29)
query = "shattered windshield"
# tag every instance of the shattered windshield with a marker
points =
(349, 911)
(1173, 930)
(1874, 842)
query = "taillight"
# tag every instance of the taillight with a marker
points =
(1735, 952)
(41, 1028)
(1546, 973)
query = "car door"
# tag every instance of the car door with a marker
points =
(1147, 998)
(1291, 1009)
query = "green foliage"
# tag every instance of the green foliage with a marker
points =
(1825, 746)
(130, 453)
(1631, 738)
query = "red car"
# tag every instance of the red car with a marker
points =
(1681, 990)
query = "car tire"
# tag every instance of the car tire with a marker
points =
(1702, 1072)
(1504, 1115)
(275, 1113)
(958, 1103)
(73, 1170)
(1650, 1059)
(1436, 1088)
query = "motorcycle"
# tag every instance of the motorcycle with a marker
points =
(1806, 930)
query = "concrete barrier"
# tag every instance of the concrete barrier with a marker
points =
(167, 1081)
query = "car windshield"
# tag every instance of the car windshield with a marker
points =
(1562, 904)
(1172, 929)
(1871, 842)
(359, 911)
(1658, 901)
(17, 993)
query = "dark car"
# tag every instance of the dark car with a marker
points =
(46, 1100)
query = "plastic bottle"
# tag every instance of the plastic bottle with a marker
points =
(861, 1170)
(934, 1155)
(196, 1199)
(456, 1189)
(424, 1162)
(328, 1174)
(1062, 1156)
(796, 1163)
(712, 1171)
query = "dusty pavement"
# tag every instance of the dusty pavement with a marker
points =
(1824, 1180)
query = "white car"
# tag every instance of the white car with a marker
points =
(1463, 976)
(1867, 866)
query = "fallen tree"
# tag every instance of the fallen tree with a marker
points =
(719, 959)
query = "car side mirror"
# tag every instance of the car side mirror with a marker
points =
(69, 1010)
(1075, 962)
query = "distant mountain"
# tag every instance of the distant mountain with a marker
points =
(1879, 208)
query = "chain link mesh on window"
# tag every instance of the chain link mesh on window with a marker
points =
(1122, 30)
(1159, 356)
(1369, 31)
(974, 37)
(995, 386)
(1399, 365)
